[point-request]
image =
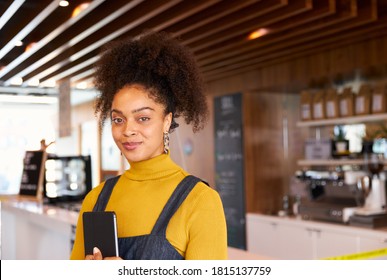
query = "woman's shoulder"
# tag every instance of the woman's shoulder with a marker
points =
(205, 195)
(92, 196)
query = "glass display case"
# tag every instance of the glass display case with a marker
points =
(67, 178)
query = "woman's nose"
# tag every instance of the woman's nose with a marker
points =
(130, 129)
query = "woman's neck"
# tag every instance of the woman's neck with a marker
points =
(152, 168)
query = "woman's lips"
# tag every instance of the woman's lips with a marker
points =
(130, 146)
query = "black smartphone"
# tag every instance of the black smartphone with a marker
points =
(100, 230)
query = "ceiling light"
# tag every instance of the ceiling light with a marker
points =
(18, 43)
(80, 8)
(6, 98)
(33, 82)
(63, 3)
(49, 83)
(30, 46)
(258, 33)
(16, 81)
(82, 85)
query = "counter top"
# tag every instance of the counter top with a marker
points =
(292, 238)
(293, 220)
(31, 206)
(32, 230)
(51, 215)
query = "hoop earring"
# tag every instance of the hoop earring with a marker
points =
(166, 142)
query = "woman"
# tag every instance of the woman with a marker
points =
(145, 84)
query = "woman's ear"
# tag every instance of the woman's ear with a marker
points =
(167, 122)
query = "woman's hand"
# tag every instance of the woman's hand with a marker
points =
(97, 255)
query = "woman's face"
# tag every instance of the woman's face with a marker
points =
(138, 124)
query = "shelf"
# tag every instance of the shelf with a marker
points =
(348, 120)
(331, 162)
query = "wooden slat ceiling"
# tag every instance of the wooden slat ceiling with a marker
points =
(67, 47)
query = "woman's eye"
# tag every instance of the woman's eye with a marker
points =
(117, 120)
(144, 119)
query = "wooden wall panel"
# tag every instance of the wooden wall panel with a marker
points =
(270, 152)
(264, 143)
(305, 69)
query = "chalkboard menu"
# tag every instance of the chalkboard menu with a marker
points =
(229, 177)
(33, 172)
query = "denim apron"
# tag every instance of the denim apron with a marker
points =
(153, 246)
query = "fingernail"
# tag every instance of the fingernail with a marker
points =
(95, 250)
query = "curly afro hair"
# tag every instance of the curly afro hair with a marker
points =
(163, 66)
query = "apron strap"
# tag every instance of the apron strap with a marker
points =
(105, 193)
(178, 196)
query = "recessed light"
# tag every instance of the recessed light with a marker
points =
(18, 43)
(80, 8)
(63, 3)
(30, 46)
(258, 33)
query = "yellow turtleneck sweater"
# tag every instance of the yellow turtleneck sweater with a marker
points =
(198, 228)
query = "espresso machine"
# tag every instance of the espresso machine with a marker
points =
(329, 197)
(354, 195)
(373, 212)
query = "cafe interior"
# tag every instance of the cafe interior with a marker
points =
(296, 141)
